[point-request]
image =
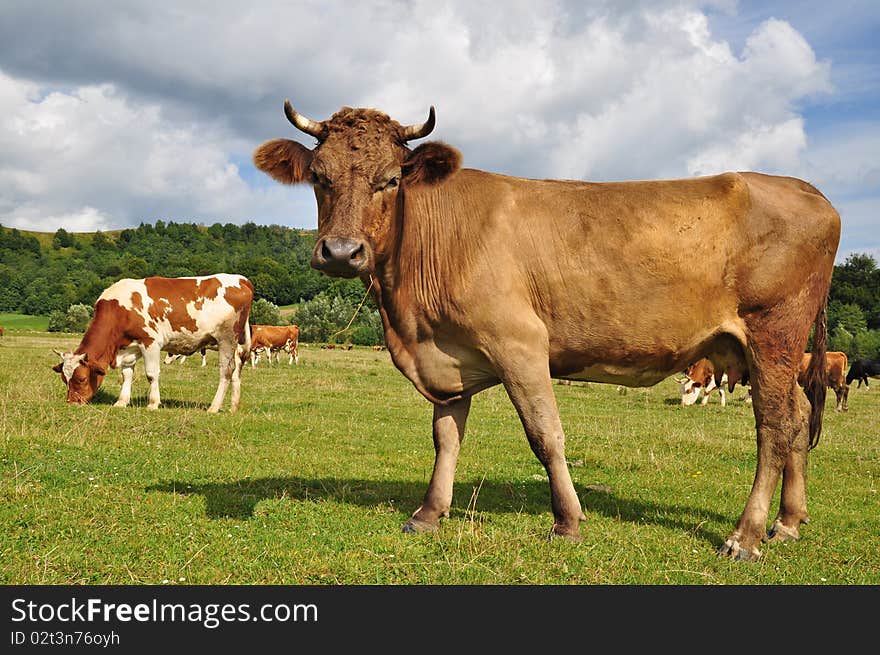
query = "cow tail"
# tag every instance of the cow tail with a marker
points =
(816, 383)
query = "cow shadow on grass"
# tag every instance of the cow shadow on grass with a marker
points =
(110, 398)
(238, 499)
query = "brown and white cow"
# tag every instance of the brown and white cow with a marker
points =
(836, 363)
(700, 377)
(485, 279)
(145, 317)
(273, 339)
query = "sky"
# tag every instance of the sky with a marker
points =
(118, 113)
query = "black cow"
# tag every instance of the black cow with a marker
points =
(862, 369)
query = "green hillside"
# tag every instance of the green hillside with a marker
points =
(41, 271)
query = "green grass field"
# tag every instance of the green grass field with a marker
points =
(310, 482)
(23, 322)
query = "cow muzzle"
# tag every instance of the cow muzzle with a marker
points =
(342, 257)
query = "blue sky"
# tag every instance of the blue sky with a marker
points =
(118, 113)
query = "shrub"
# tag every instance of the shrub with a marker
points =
(325, 319)
(265, 312)
(57, 321)
(78, 317)
(75, 319)
(840, 340)
(866, 344)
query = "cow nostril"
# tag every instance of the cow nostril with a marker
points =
(357, 253)
(325, 251)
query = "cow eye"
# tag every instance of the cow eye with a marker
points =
(320, 180)
(388, 184)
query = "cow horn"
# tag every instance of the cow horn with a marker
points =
(681, 380)
(58, 352)
(418, 131)
(307, 125)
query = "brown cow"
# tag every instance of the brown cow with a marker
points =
(143, 318)
(2, 330)
(483, 279)
(272, 339)
(836, 364)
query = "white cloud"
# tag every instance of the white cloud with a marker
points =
(90, 159)
(603, 90)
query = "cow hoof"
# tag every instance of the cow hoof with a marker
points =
(120, 404)
(781, 532)
(733, 550)
(563, 532)
(415, 525)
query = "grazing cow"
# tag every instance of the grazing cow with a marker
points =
(835, 375)
(700, 376)
(143, 318)
(862, 369)
(2, 330)
(273, 339)
(182, 358)
(483, 279)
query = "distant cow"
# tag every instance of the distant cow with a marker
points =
(182, 358)
(483, 279)
(145, 317)
(700, 376)
(2, 330)
(835, 371)
(272, 339)
(862, 369)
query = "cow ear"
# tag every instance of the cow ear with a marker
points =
(58, 367)
(430, 163)
(284, 160)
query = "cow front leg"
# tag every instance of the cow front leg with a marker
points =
(125, 392)
(842, 393)
(448, 430)
(531, 390)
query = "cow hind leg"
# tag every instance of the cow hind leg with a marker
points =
(227, 368)
(448, 429)
(793, 499)
(152, 357)
(781, 418)
(235, 398)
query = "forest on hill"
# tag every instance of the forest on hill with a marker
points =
(45, 272)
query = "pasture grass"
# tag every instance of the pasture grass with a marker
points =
(310, 482)
(23, 322)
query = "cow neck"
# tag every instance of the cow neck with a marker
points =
(383, 293)
(101, 340)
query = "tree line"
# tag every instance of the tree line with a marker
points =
(41, 273)
(62, 274)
